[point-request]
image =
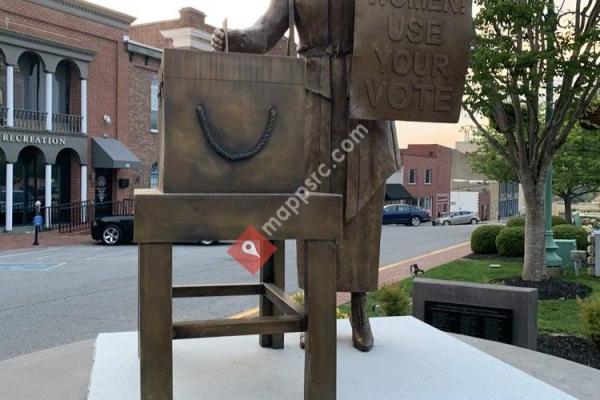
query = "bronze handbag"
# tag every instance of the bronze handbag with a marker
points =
(231, 123)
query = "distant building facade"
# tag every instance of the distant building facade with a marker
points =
(79, 96)
(427, 176)
(64, 106)
(496, 200)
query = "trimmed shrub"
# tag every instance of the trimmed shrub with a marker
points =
(483, 239)
(590, 319)
(558, 221)
(519, 222)
(511, 242)
(516, 222)
(572, 232)
(340, 313)
(394, 301)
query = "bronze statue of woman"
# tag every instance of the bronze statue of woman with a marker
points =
(326, 29)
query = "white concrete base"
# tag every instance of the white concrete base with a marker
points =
(411, 361)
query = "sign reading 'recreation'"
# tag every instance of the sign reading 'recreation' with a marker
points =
(410, 59)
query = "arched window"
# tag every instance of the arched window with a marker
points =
(154, 176)
(61, 102)
(31, 81)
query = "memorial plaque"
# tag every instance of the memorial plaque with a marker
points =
(482, 322)
(493, 312)
(410, 59)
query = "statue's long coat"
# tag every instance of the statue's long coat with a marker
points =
(326, 29)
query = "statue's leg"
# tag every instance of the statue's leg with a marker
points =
(362, 336)
(360, 267)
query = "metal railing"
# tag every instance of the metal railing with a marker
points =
(68, 217)
(65, 123)
(3, 116)
(79, 216)
(27, 119)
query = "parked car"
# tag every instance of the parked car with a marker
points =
(404, 214)
(113, 230)
(119, 230)
(458, 218)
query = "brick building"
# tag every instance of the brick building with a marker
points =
(79, 98)
(427, 176)
(64, 97)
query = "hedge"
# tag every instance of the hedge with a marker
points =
(572, 232)
(511, 242)
(556, 221)
(483, 239)
(516, 222)
(590, 319)
(519, 222)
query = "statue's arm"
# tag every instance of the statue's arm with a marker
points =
(262, 36)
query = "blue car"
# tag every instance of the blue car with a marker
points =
(404, 214)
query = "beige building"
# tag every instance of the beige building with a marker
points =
(497, 200)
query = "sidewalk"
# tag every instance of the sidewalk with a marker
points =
(401, 270)
(398, 271)
(24, 239)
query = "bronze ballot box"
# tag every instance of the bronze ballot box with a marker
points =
(232, 155)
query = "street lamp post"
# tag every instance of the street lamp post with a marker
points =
(553, 260)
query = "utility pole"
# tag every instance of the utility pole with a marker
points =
(553, 260)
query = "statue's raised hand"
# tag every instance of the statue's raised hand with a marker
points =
(218, 39)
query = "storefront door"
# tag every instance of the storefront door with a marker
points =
(29, 185)
(103, 192)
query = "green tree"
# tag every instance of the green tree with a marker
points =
(521, 51)
(489, 162)
(577, 168)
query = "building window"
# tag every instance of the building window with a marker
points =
(154, 90)
(426, 203)
(412, 176)
(428, 176)
(154, 176)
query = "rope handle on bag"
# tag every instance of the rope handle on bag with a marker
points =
(226, 154)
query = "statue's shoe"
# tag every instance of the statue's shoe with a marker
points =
(362, 335)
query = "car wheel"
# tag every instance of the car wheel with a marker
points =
(111, 235)
(207, 242)
(446, 223)
(474, 221)
(415, 221)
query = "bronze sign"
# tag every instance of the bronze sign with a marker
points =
(231, 123)
(410, 59)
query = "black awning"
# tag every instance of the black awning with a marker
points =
(396, 192)
(112, 154)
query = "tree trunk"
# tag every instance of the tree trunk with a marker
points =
(568, 209)
(535, 229)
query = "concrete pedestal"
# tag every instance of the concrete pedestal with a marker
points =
(410, 361)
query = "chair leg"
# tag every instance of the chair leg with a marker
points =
(273, 272)
(155, 321)
(320, 304)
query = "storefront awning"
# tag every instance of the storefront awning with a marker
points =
(396, 192)
(112, 154)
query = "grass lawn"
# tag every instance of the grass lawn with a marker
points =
(554, 316)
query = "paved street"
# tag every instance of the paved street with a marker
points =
(55, 296)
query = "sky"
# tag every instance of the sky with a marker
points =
(242, 13)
